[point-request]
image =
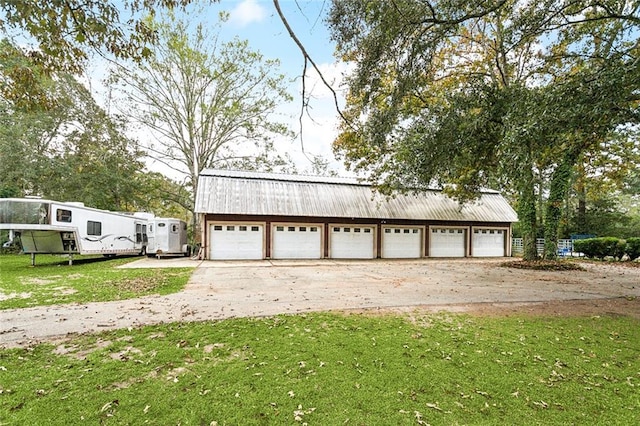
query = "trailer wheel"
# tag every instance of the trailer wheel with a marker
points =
(143, 252)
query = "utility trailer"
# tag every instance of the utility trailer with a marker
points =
(167, 237)
(52, 227)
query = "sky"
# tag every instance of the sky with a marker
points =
(257, 22)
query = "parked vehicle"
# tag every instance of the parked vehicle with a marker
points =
(167, 237)
(54, 227)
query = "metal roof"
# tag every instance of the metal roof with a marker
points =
(251, 193)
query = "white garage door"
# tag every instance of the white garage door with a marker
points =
(446, 242)
(351, 242)
(488, 242)
(297, 242)
(236, 241)
(401, 242)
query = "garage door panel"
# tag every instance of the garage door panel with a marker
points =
(352, 242)
(236, 242)
(488, 242)
(401, 242)
(297, 242)
(447, 242)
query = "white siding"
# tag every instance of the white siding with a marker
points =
(295, 241)
(402, 242)
(488, 242)
(236, 241)
(352, 241)
(447, 242)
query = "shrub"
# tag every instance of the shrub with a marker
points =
(601, 247)
(619, 249)
(633, 248)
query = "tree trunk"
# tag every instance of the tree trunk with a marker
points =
(581, 190)
(527, 217)
(560, 181)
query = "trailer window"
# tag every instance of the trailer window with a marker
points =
(94, 228)
(26, 212)
(174, 228)
(63, 215)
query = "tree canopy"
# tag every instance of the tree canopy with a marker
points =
(58, 143)
(206, 103)
(67, 32)
(502, 93)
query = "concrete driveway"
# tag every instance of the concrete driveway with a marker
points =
(219, 290)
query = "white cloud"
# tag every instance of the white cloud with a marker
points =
(333, 74)
(247, 12)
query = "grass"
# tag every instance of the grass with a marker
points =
(53, 281)
(333, 369)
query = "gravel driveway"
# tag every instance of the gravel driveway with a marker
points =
(220, 290)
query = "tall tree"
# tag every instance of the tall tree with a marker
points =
(67, 32)
(501, 93)
(206, 102)
(58, 143)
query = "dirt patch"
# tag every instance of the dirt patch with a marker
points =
(561, 308)
(77, 352)
(64, 291)
(41, 281)
(543, 265)
(623, 306)
(5, 296)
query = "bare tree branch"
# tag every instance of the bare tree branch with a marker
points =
(308, 60)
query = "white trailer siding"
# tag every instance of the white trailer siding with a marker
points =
(71, 228)
(167, 237)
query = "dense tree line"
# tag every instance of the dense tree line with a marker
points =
(521, 96)
(56, 142)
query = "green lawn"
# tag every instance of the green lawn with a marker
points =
(53, 281)
(331, 369)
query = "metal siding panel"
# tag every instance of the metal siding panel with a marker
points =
(287, 197)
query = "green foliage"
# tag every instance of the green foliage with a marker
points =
(606, 215)
(502, 94)
(68, 32)
(60, 144)
(206, 103)
(633, 248)
(600, 248)
(90, 279)
(333, 369)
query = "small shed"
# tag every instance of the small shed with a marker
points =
(250, 215)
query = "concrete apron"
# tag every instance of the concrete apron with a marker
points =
(219, 290)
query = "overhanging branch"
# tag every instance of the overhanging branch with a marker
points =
(308, 60)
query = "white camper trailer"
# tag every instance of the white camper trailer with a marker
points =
(55, 227)
(167, 237)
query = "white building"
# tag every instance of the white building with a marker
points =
(248, 215)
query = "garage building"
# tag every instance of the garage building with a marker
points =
(250, 215)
